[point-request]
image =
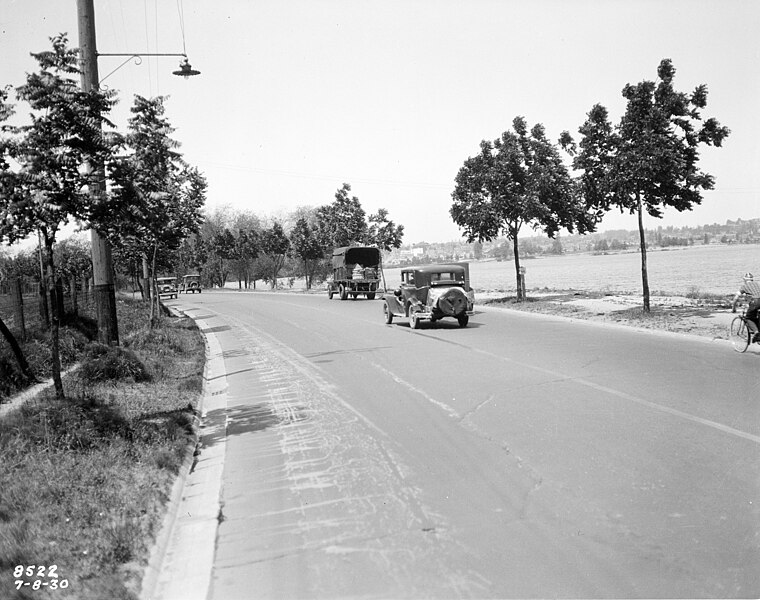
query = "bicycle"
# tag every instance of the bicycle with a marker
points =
(741, 332)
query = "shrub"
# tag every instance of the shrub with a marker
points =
(104, 363)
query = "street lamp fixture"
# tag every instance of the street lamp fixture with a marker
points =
(185, 69)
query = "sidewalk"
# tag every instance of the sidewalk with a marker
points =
(182, 558)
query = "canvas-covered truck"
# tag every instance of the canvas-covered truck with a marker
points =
(357, 271)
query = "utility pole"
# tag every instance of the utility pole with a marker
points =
(102, 264)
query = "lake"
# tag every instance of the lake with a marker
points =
(715, 269)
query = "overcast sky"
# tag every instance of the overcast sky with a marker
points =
(297, 97)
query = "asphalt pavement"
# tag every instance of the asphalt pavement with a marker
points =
(369, 466)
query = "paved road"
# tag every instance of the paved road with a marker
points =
(522, 456)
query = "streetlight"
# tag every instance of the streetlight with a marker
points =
(185, 69)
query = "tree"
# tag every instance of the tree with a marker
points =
(518, 179)
(246, 251)
(648, 162)
(341, 223)
(223, 247)
(306, 246)
(75, 264)
(157, 197)
(51, 184)
(275, 245)
(382, 232)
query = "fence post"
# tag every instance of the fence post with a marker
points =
(44, 312)
(73, 291)
(18, 307)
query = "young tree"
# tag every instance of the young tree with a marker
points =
(50, 185)
(382, 232)
(275, 245)
(518, 179)
(649, 161)
(223, 247)
(158, 198)
(75, 264)
(341, 223)
(306, 246)
(246, 251)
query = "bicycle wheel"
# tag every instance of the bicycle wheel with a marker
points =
(739, 334)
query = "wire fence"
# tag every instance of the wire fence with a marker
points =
(24, 306)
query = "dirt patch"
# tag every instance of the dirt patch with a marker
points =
(707, 317)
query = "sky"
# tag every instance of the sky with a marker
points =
(296, 98)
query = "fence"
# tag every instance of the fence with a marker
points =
(23, 306)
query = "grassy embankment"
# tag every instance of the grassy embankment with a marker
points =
(84, 482)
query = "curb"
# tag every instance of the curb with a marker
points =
(181, 559)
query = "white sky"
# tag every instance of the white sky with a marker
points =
(297, 97)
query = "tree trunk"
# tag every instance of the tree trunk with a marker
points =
(146, 278)
(520, 295)
(73, 292)
(154, 287)
(55, 320)
(16, 351)
(642, 241)
(18, 306)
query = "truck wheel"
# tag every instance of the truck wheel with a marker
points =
(330, 293)
(388, 314)
(343, 292)
(463, 320)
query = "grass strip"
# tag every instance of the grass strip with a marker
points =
(84, 482)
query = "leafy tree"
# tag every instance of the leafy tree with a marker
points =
(158, 197)
(75, 264)
(648, 162)
(223, 247)
(51, 184)
(275, 245)
(518, 179)
(246, 251)
(341, 223)
(383, 233)
(306, 246)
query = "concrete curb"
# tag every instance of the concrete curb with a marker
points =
(182, 557)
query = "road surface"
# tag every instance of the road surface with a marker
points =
(521, 456)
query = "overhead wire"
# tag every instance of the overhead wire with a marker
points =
(181, 12)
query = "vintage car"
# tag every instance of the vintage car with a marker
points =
(356, 272)
(167, 286)
(430, 293)
(190, 284)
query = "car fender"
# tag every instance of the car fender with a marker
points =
(394, 306)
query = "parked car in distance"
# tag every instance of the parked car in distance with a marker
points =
(190, 284)
(356, 272)
(167, 286)
(430, 293)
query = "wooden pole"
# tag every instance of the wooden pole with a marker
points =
(18, 307)
(102, 264)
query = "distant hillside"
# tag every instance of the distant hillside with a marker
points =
(740, 231)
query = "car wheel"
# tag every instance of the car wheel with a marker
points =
(354, 296)
(388, 314)
(343, 292)
(414, 320)
(371, 296)
(463, 320)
